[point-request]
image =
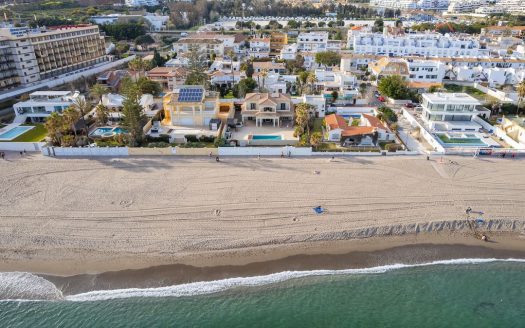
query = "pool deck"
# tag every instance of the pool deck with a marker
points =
(286, 133)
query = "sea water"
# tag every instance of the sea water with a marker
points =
(455, 293)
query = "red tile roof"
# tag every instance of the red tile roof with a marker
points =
(335, 121)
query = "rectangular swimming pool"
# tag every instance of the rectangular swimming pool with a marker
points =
(266, 137)
(460, 140)
(15, 132)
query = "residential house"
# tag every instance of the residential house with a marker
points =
(317, 101)
(111, 79)
(204, 44)
(289, 52)
(42, 103)
(314, 41)
(259, 48)
(190, 105)
(451, 112)
(388, 66)
(276, 82)
(277, 42)
(514, 127)
(269, 66)
(338, 130)
(266, 108)
(168, 77)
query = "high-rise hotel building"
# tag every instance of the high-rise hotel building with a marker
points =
(29, 55)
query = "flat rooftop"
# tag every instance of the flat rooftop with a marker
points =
(50, 93)
(451, 98)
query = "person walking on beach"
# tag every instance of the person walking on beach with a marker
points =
(217, 159)
(2, 154)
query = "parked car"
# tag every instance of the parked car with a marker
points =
(381, 98)
(410, 105)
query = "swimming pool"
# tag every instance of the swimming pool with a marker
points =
(460, 140)
(15, 132)
(107, 132)
(266, 137)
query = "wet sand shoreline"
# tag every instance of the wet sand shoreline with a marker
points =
(335, 258)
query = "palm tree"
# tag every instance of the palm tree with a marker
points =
(263, 74)
(311, 80)
(71, 117)
(97, 91)
(55, 127)
(231, 54)
(521, 95)
(315, 139)
(83, 107)
(101, 114)
(138, 65)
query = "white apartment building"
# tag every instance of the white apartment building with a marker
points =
(450, 111)
(141, 3)
(42, 103)
(259, 48)
(512, 6)
(465, 6)
(415, 44)
(312, 41)
(411, 4)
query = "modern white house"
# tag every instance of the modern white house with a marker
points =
(140, 3)
(42, 103)
(451, 112)
(289, 51)
(312, 41)
(259, 48)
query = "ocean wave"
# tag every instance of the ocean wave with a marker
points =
(211, 287)
(27, 286)
(23, 286)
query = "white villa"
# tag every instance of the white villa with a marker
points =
(312, 41)
(265, 108)
(42, 103)
(451, 112)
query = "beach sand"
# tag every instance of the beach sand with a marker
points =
(192, 218)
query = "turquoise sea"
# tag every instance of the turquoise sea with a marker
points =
(456, 293)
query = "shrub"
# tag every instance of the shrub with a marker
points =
(158, 144)
(206, 138)
(191, 138)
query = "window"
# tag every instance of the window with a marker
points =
(283, 106)
(252, 106)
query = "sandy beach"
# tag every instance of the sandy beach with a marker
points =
(89, 216)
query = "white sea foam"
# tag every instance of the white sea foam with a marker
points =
(210, 287)
(27, 286)
(23, 286)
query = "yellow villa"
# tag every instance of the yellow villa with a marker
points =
(191, 105)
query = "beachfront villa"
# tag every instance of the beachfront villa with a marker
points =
(42, 103)
(190, 105)
(368, 132)
(274, 109)
(452, 112)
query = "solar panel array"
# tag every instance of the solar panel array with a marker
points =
(190, 95)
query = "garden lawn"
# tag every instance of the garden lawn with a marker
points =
(37, 134)
(318, 125)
